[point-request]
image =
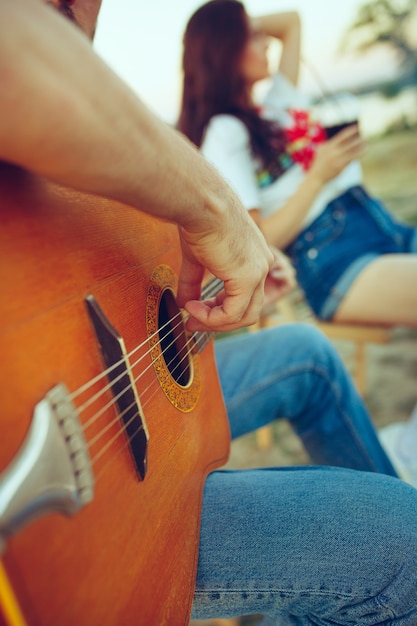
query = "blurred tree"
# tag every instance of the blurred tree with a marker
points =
(391, 23)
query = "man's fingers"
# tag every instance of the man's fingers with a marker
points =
(189, 281)
(233, 312)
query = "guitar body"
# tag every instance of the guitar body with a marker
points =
(129, 556)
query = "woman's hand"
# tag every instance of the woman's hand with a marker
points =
(335, 154)
(280, 279)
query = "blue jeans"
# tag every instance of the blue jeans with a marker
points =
(305, 545)
(332, 251)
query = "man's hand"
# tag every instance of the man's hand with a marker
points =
(111, 145)
(235, 252)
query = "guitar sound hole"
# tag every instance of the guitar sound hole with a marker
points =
(173, 339)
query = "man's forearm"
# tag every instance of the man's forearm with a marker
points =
(66, 116)
(84, 127)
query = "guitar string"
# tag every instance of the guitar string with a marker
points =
(154, 384)
(196, 338)
(109, 386)
(129, 386)
(210, 290)
(124, 445)
(104, 448)
(115, 456)
(111, 460)
(86, 386)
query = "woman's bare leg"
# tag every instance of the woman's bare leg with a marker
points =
(385, 292)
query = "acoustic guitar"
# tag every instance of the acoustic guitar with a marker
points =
(112, 414)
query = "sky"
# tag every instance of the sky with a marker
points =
(141, 41)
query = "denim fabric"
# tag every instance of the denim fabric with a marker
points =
(308, 546)
(293, 371)
(329, 254)
(305, 545)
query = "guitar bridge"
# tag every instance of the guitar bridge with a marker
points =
(52, 471)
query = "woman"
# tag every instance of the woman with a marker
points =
(353, 261)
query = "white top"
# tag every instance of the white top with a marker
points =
(226, 145)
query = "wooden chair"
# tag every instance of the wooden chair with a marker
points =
(293, 308)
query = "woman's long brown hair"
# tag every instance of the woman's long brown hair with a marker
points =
(214, 40)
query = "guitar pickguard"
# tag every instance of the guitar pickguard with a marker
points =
(123, 387)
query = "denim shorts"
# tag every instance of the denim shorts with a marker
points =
(330, 253)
